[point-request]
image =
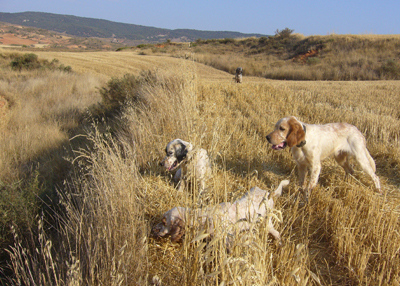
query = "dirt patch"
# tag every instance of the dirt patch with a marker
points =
(11, 39)
(76, 47)
(303, 57)
(14, 36)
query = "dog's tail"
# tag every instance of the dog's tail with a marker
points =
(371, 161)
(283, 184)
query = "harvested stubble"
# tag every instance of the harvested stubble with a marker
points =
(347, 234)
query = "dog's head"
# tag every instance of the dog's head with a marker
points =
(172, 224)
(288, 132)
(176, 152)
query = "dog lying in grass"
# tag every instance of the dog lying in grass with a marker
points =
(238, 216)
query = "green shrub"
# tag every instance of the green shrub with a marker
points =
(65, 68)
(31, 62)
(313, 61)
(122, 48)
(263, 40)
(118, 91)
(227, 41)
(284, 34)
(26, 61)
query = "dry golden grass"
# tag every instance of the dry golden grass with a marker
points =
(40, 110)
(346, 235)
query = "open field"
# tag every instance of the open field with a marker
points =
(115, 190)
(116, 64)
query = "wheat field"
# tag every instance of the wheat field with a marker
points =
(346, 235)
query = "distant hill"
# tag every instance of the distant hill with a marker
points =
(89, 27)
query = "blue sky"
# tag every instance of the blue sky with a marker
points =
(308, 17)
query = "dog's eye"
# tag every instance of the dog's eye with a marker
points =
(169, 153)
(281, 128)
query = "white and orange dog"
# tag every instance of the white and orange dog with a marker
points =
(311, 143)
(236, 216)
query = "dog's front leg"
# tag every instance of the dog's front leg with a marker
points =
(302, 173)
(182, 185)
(315, 171)
(273, 231)
(178, 175)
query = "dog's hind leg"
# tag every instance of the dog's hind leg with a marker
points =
(343, 159)
(368, 165)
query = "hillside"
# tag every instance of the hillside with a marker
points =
(285, 55)
(89, 27)
(17, 36)
(291, 56)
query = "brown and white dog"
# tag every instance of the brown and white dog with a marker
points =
(311, 143)
(236, 216)
(192, 163)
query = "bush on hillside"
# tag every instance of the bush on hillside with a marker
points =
(30, 61)
(26, 61)
(118, 92)
(284, 34)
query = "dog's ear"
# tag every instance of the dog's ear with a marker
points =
(160, 227)
(180, 151)
(296, 133)
(177, 230)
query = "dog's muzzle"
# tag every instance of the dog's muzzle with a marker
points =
(278, 146)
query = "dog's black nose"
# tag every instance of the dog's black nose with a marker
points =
(268, 138)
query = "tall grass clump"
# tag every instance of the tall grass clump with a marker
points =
(166, 109)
